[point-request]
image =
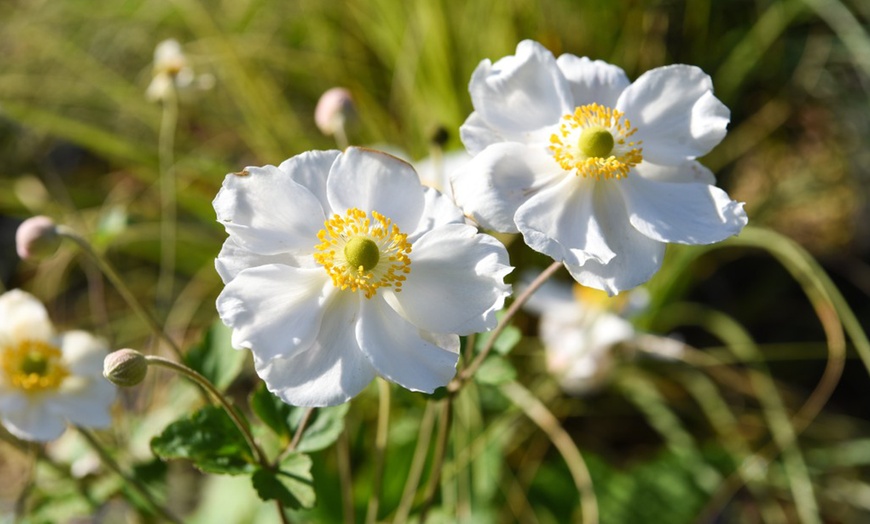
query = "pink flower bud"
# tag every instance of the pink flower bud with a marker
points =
(37, 238)
(334, 108)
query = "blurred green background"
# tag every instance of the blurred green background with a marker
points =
(79, 142)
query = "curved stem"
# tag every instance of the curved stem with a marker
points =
(380, 449)
(523, 297)
(121, 287)
(540, 415)
(257, 452)
(129, 480)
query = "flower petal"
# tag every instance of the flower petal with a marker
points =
(86, 402)
(687, 171)
(268, 212)
(477, 134)
(332, 371)
(234, 258)
(83, 353)
(24, 317)
(496, 182)
(561, 222)
(31, 420)
(274, 310)
(438, 210)
(676, 114)
(374, 181)
(522, 92)
(684, 213)
(637, 257)
(593, 81)
(398, 351)
(456, 282)
(311, 171)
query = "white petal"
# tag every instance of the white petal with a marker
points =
(311, 170)
(86, 403)
(477, 134)
(593, 81)
(274, 310)
(268, 212)
(681, 212)
(234, 258)
(332, 371)
(687, 171)
(522, 92)
(637, 257)
(374, 181)
(438, 210)
(675, 112)
(33, 421)
(399, 353)
(496, 182)
(561, 222)
(83, 353)
(435, 170)
(456, 282)
(23, 317)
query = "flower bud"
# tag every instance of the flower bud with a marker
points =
(125, 367)
(36, 238)
(333, 110)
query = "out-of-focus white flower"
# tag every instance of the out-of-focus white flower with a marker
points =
(594, 171)
(340, 267)
(580, 328)
(48, 379)
(334, 108)
(171, 72)
(435, 170)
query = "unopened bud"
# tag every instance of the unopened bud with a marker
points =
(333, 110)
(125, 367)
(37, 237)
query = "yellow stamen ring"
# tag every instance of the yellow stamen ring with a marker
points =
(593, 142)
(362, 253)
(33, 366)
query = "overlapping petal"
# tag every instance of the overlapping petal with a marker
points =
(23, 316)
(593, 81)
(234, 258)
(29, 419)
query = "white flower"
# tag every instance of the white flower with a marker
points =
(580, 330)
(595, 172)
(435, 171)
(340, 267)
(171, 71)
(47, 379)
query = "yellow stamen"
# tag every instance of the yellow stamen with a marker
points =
(592, 142)
(362, 253)
(33, 366)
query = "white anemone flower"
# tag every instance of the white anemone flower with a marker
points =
(594, 171)
(581, 329)
(48, 379)
(340, 267)
(436, 170)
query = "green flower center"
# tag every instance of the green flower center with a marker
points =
(34, 363)
(596, 142)
(362, 252)
(33, 366)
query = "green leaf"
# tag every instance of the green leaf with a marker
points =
(495, 370)
(325, 429)
(274, 412)
(214, 356)
(209, 439)
(505, 342)
(292, 484)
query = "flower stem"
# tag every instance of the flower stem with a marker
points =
(469, 371)
(225, 404)
(380, 449)
(345, 476)
(438, 459)
(417, 463)
(121, 287)
(168, 210)
(297, 437)
(107, 459)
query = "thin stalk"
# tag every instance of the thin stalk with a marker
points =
(131, 481)
(257, 452)
(380, 449)
(168, 207)
(544, 418)
(417, 463)
(297, 437)
(121, 287)
(345, 476)
(469, 371)
(438, 459)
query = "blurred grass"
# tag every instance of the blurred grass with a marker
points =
(79, 142)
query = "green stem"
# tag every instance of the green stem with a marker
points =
(168, 212)
(438, 459)
(109, 461)
(225, 404)
(121, 287)
(380, 449)
(417, 463)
